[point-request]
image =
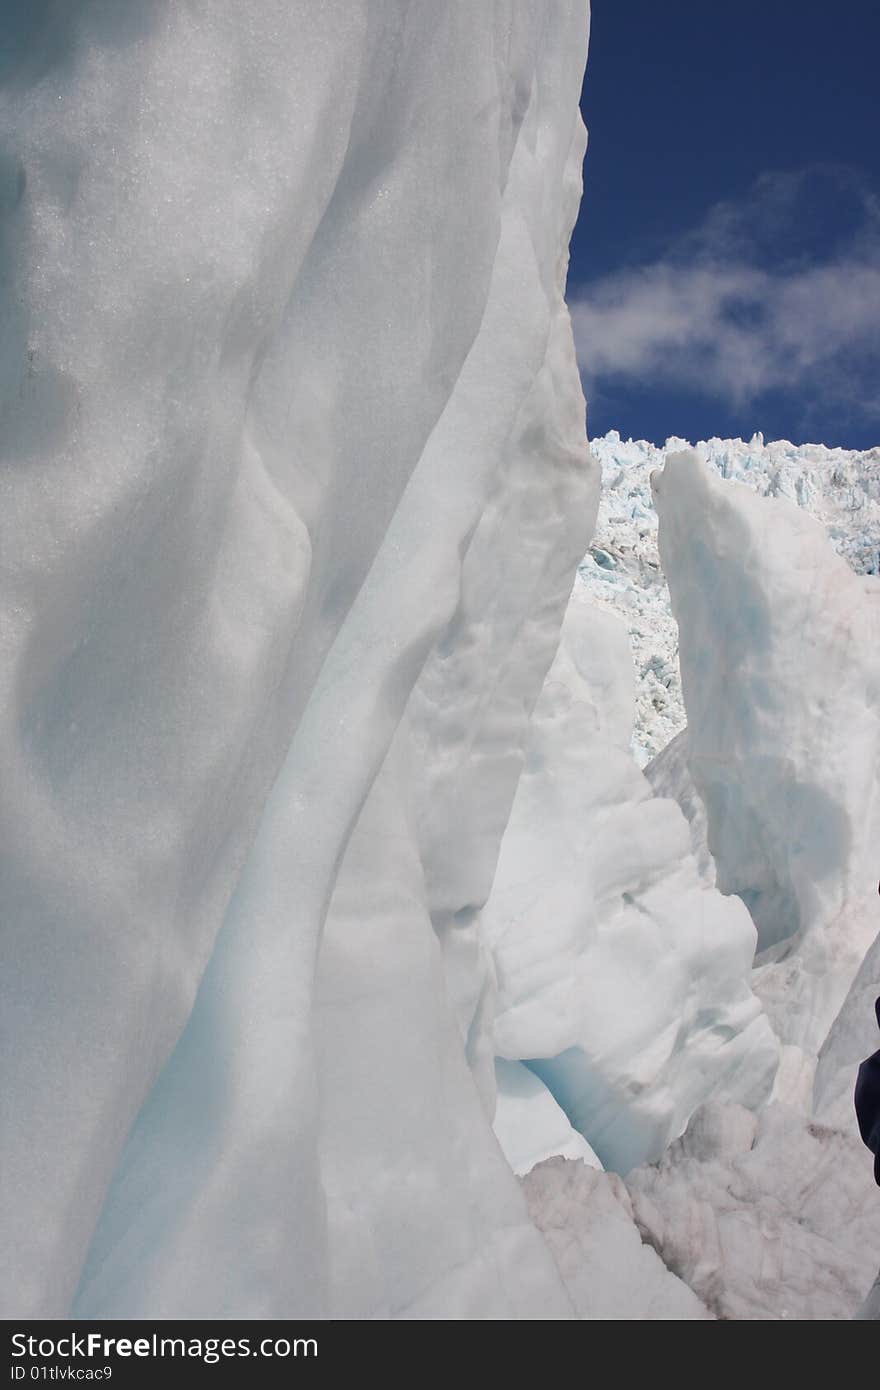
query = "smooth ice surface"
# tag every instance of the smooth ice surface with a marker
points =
(288, 375)
(529, 1125)
(623, 979)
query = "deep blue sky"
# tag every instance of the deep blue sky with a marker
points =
(699, 102)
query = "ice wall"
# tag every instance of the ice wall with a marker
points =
(769, 1213)
(623, 977)
(288, 380)
(839, 487)
(781, 678)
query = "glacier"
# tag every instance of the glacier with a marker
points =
(771, 1211)
(379, 935)
(623, 980)
(622, 571)
(779, 654)
(275, 394)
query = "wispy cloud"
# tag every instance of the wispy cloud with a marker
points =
(775, 292)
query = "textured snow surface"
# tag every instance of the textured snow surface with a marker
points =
(839, 487)
(587, 1219)
(772, 1217)
(289, 386)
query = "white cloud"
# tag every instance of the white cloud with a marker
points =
(727, 312)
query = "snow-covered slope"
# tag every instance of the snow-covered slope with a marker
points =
(289, 381)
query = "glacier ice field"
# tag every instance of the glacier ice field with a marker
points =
(439, 856)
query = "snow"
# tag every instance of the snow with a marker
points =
(764, 1218)
(587, 1219)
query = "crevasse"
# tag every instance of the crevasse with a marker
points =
(323, 847)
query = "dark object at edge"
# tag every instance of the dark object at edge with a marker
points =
(867, 1099)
